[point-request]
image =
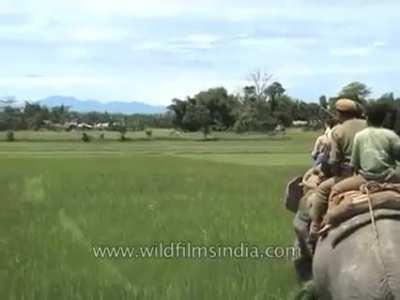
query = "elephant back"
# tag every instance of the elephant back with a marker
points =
(356, 260)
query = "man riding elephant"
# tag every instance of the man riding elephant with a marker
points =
(358, 257)
(349, 115)
(340, 146)
(375, 152)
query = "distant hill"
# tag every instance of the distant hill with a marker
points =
(93, 105)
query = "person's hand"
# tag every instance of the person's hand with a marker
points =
(324, 230)
(314, 230)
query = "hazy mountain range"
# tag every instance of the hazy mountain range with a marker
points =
(93, 105)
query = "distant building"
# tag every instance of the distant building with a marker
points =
(85, 126)
(299, 123)
(102, 126)
(71, 125)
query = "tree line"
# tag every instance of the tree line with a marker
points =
(34, 116)
(261, 106)
(264, 105)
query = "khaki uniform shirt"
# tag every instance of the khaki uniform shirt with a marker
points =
(342, 140)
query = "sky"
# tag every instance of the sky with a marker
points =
(156, 50)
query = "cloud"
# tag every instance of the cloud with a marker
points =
(51, 81)
(74, 53)
(199, 41)
(358, 51)
(350, 51)
(379, 44)
(34, 76)
(178, 45)
(99, 35)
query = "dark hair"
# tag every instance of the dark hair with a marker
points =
(350, 114)
(332, 122)
(376, 113)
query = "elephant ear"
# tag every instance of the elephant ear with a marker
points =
(293, 194)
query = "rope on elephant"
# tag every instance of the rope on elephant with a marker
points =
(371, 213)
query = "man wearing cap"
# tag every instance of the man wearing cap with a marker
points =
(342, 137)
(375, 153)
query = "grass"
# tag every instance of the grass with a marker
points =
(60, 199)
(157, 134)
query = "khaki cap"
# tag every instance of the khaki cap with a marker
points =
(346, 105)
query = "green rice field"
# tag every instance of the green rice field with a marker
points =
(61, 197)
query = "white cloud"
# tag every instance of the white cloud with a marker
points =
(52, 81)
(158, 45)
(357, 51)
(85, 10)
(350, 51)
(379, 44)
(178, 45)
(100, 34)
(149, 8)
(236, 10)
(200, 41)
(74, 53)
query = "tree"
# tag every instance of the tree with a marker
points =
(198, 117)
(249, 94)
(178, 107)
(35, 115)
(387, 98)
(356, 91)
(254, 117)
(284, 110)
(274, 91)
(259, 105)
(391, 120)
(323, 102)
(12, 118)
(59, 114)
(221, 106)
(260, 82)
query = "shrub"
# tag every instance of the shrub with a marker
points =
(122, 137)
(101, 137)
(85, 137)
(148, 132)
(10, 136)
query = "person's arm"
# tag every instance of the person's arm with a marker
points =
(315, 151)
(395, 145)
(355, 155)
(331, 167)
(334, 153)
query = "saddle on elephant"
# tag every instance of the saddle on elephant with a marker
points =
(371, 195)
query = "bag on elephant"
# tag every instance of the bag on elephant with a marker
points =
(350, 204)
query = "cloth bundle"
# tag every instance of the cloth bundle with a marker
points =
(349, 204)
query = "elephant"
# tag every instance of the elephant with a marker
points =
(360, 259)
